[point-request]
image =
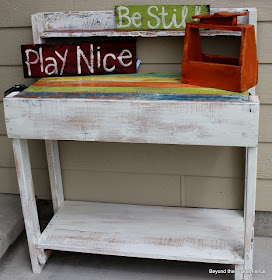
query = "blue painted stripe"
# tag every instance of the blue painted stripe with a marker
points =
(135, 96)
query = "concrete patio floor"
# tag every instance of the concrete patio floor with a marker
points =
(15, 265)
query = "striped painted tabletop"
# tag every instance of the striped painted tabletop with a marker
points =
(161, 86)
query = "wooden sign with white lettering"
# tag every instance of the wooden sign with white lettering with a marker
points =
(157, 17)
(43, 60)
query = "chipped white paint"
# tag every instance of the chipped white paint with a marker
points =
(250, 188)
(13, 94)
(136, 33)
(136, 121)
(252, 19)
(86, 20)
(23, 168)
(102, 23)
(186, 234)
(38, 25)
(239, 275)
(53, 160)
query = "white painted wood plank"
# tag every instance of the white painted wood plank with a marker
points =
(251, 174)
(38, 25)
(38, 256)
(252, 19)
(102, 23)
(186, 234)
(137, 121)
(101, 20)
(136, 33)
(239, 272)
(245, 182)
(53, 160)
(82, 20)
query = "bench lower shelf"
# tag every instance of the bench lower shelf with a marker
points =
(173, 233)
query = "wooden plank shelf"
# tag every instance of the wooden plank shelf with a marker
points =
(102, 23)
(129, 33)
(173, 233)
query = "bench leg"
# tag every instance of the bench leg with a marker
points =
(249, 206)
(239, 272)
(21, 154)
(53, 160)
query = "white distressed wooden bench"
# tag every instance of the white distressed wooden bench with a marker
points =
(184, 234)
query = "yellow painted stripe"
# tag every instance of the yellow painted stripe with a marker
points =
(119, 79)
(185, 90)
(123, 78)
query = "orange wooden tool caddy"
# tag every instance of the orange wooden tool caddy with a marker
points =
(223, 72)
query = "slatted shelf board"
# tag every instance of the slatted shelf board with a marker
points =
(173, 233)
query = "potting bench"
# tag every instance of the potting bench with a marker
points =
(172, 233)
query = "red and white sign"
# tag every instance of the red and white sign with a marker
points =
(43, 60)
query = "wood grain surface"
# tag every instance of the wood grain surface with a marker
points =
(135, 120)
(200, 235)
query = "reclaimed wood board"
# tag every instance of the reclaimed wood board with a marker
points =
(157, 96)
(142, 83)
(102, 23)
(157, 17)
(185, 234)
(155, 118)
(43, 60)
(131, 33)
(23, 169)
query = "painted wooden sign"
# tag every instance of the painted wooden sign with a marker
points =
(42, 60)
(157, 17)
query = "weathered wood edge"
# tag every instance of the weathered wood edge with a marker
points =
(104, 25)
(147, 111)
(136, 33)
(55, 176)
(23, 168)
(69, 229)
(249, 208)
